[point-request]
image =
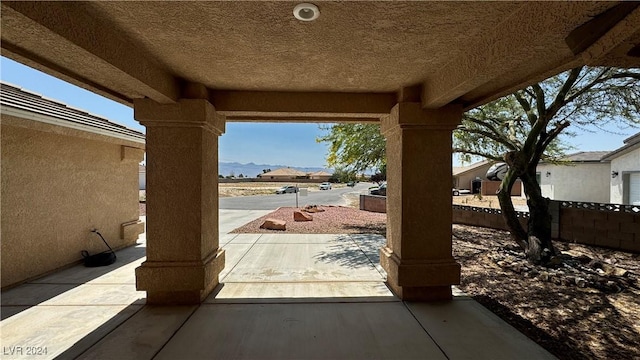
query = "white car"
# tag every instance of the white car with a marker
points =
(456, 192)
(325, 186)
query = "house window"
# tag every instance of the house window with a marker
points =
(538, 178)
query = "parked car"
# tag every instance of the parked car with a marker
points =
(456, 192)
(325, 186)
(381, 190)
(287, 189)
(351, 184)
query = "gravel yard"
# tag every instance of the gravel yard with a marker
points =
(488, 201)
(570, 321)
(334, 220)
(548, 305)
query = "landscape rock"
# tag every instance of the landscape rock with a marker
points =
(312, 208)
(614, 270)
(300, 216)
(567, 269)
(581, 282)
(274, 224)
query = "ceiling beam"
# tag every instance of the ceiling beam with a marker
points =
(600, 37)
(302, 106)
(591, 43)
(84, 45)
(478, 75)
(587, 34)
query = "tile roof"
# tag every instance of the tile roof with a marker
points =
(586, 156)
(284, 172)
(19, 102)
(457, 170)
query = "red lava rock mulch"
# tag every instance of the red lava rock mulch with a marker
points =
(334, 220)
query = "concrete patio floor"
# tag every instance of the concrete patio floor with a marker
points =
(282, 296)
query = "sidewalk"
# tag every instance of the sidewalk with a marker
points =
(282, 296)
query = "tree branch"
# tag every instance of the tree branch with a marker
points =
(586, 88)
(555, 133)
(560, 99)
(540, 101)
(494, 135)
(542, 146)
(526, 107)
(477, 153)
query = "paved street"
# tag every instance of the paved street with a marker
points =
(271, 202)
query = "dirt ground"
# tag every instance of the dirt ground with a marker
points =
(489, 201)
(599, 321)
(570, 321)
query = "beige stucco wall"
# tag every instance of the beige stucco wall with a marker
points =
(463, 181)
(322, 178)
(58, 184)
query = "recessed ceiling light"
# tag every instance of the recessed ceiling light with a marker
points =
(306, 12)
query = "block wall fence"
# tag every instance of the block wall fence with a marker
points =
(606, 225)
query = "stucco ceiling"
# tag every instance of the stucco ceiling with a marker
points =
(465, 52)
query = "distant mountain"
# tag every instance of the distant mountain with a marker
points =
(252, 170)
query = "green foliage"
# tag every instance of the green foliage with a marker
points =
(532, 120)
(494, 129)
(354, 147)
(342, 175)
(378, 177)
(521, 129)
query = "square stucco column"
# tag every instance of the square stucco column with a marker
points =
(417, 256)
(183, 256)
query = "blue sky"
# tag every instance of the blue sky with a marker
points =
(260, 143)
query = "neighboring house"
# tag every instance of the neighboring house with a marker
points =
(319, 175)
(474, 178)
(64, 173)
(142, 177)
(470, 177)
(283, 174)
(624, 174)
(584, 177)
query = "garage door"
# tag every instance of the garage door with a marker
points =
(634, 189)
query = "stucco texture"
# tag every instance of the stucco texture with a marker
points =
(581, 182)
(56, 187)
(625, 164)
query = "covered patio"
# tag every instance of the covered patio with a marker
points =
(413, 67)
(323, 298)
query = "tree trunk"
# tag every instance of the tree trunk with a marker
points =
(518, 233)
(540, 248)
